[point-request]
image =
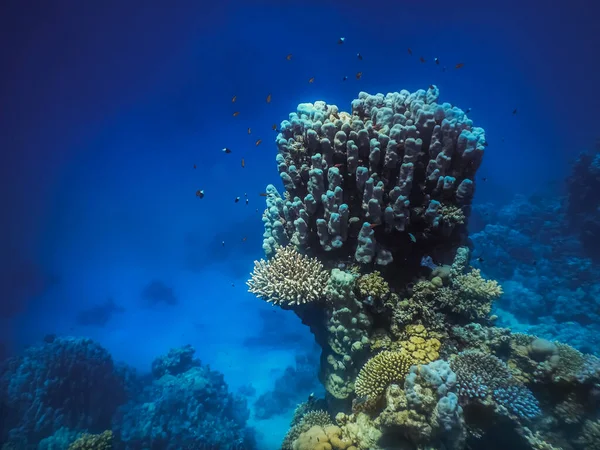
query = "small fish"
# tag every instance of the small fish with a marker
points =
(235, 114)
(358, 75)
(431, 86)
(289, 57)
(484, 178)
(274, 127)
(412, 237)
(311, 80)
(243, 163)
(223, 243)
(422, 59)
(200, 193)
(514, 111)
(233, 99)
(437, 61)
(459, 66)
(485, 144)
(468, 111)
(480, 259)
(245, 238)
(374, 225)
(226, 150)
(359, 56)
(269, 98)
(263, 194)
(237, 199)
(246, 201)
(409, 51)
(258, 141)
(535, 263)
(338, 165)
(249, 130)
(194, 166)
(444, 69)
(341, 40)
(345, 78)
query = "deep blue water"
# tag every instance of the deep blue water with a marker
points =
(113, 114)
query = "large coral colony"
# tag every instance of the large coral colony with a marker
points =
(368, 246)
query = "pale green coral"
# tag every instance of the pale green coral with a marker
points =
(87, 441)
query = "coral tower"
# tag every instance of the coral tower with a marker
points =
(368, 246)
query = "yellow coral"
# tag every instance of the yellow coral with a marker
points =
(380, 371)
(420, 347)
(87, 441)
(373, 285)
(472, 284)
(323, 438)
(289, 278)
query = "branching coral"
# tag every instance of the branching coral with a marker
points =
(380, 371)
(470, 295)
(93, 442)
(518, 400)
(289, 278)
(479, 373)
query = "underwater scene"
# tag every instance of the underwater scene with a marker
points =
(303, 225)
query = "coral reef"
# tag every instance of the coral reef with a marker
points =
(67, 382)
(291, 387)
(550, 286)
(183, 408)
(583, 202)
(380, 198)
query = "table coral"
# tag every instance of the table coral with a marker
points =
(380, 371)
(289, 278)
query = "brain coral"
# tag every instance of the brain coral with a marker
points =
(380, 371)
(289, 278)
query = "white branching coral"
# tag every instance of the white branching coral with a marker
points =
(289, 278)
